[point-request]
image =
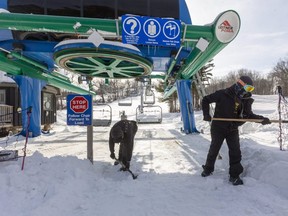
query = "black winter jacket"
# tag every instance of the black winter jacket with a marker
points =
(129, 129)
(228, 105)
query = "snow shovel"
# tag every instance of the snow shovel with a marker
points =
(7, 155)
(248, 120)
(123, 166)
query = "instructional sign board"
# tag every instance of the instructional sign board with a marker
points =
(151, 31)
(79, 110)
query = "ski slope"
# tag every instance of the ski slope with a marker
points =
(58, 180)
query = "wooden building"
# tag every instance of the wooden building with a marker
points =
(10, 101)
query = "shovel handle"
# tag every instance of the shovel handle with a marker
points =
(248, 120)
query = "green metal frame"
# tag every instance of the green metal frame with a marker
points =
(20, 67)
(103, 63)
(72, 59)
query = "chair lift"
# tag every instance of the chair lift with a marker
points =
(122, 115)
(102, 115)
(149, 97)
(148, 114)
(125, 99)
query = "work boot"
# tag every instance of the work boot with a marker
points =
(205, 172)
(236, 180)
(123, 169)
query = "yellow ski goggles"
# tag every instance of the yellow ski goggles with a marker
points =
(247, 88)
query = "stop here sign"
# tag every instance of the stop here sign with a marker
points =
(79, 104)
(79, 110)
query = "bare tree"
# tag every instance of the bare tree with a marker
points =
(279, 75)
(263, 85)
(206, 76)
(100, 88)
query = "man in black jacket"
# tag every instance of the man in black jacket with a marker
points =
(123, 132)
(233, 102)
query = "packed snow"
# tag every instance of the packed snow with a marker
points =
(59, 180)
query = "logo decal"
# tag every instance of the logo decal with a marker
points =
(236, 107)
(225, 27)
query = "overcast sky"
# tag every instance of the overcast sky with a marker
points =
(263, 37)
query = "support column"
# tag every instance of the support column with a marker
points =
(186, 106)
(30, 91)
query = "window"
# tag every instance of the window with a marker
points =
(64, 8)
(107, 9)
(99, 9)
(47, 101)
(28, 6)
(168, 9)
(2, 96)
(136, 7)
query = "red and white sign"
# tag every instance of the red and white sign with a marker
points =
(227, 26)
(79, 104)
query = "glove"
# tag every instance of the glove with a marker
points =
(207, 118)
(266, 121)
(112, 156)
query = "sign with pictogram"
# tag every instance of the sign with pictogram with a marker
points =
(79, 110)
(151, 31)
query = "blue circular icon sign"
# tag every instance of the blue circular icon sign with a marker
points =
(171, 30)
(152, 28)
(151, 31)
(131, 26)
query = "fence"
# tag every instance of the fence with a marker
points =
(6, 115)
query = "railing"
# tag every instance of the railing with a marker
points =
(6, 115)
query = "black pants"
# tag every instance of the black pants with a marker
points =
(126, 146)
(232, 138)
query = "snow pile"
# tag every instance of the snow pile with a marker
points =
(58, 179)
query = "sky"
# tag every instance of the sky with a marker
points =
(58, 179)
(263, 37)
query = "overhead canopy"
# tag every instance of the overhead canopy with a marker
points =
(109, 58)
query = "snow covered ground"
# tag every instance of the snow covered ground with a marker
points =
(58, 180)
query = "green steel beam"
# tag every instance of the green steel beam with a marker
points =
(20, 67)
(28, 60)
(169, 92)
(227, 22)
(157, 76)
(190, 35)
(194, 32)
(198, 59)
(63, 24)
(47, 23)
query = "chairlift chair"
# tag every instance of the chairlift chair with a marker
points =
(123, 115)
(127, 101)
(148, 114)
(149, 97)
(102, 115)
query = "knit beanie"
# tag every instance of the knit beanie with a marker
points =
(247, 80)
